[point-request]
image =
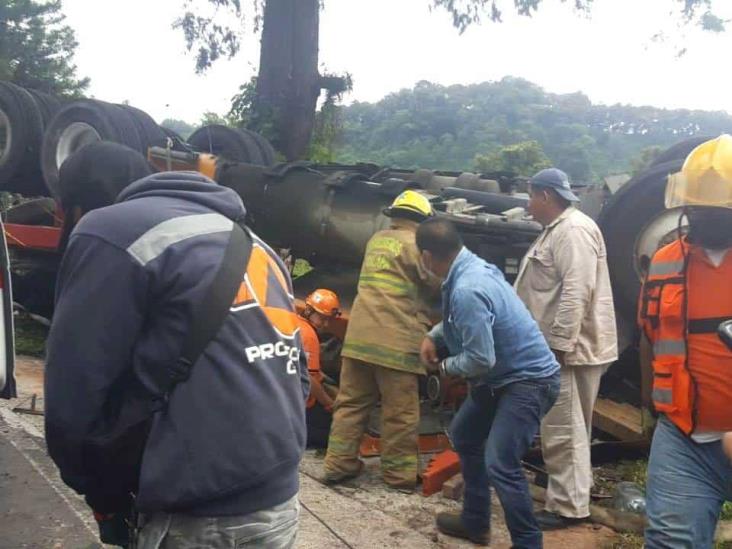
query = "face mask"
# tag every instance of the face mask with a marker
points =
(711, 227)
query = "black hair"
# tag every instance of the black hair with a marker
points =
(93, 177)
(439, 237)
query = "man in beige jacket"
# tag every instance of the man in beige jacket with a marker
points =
(564, 282)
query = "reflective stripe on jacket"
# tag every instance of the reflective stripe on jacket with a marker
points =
(683, 301)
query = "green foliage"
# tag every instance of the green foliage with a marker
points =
(524, 158)
(301, 268)
(726, 511)
(328, 127)
(30, 337)
(181, 127)
(439, 127)
(246, 113)
(214, 33)
(644, 159)
(210, 118)
(36, 47)
(626, 540)
(469, 12)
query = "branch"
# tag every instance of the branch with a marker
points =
(218, 33)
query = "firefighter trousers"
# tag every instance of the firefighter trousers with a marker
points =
(361, 386)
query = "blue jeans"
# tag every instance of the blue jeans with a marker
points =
(273, 528)
(491, 433)
(687, 485)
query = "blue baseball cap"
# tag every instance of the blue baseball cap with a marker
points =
(555, 179)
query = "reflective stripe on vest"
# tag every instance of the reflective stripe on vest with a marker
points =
(665, 268)
(669, 347)
(664, 396)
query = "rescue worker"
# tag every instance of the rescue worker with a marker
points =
(513, 377)
(381, 350)
(565, 283)
(321, 307)
(686, 295)
(219, 465)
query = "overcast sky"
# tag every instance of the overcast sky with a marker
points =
(130, 52)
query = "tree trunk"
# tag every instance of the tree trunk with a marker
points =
(289, 83)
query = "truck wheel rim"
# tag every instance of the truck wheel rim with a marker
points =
(660, 231)
(6, 136)
(74, 137)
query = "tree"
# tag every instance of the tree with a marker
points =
(36, 47)
(644, 159)
(289, 83)
(181, 127)
(210, 118)
(446, 127)
(525, 158)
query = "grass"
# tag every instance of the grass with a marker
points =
(627, 541)
(633, 471)
(726, 511)
(607, 476)
(30, 337)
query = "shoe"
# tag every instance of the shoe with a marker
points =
(553, 521)
(331, 479)
(451, 524)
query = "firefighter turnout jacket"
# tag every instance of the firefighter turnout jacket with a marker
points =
(390, 315)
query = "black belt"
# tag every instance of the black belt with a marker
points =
(706, 325)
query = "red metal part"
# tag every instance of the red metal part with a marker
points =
(442, 467)
(37, 237)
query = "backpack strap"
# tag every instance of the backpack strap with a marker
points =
(211, 312)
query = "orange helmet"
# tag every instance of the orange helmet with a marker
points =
(324, 302)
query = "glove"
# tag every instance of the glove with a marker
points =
(113, 528)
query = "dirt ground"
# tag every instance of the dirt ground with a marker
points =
(360, 514)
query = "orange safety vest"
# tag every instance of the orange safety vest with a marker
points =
(311, 346)
(683, 301)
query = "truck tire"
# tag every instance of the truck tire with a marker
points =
(150, 133)
(48, 105)
(229, 143)
(21, 131)
(80, 123)
(623, 219)
(680, 150)
(265, 147)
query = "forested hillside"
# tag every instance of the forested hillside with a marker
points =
(433, 126)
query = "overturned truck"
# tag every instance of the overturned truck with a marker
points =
(325, 214)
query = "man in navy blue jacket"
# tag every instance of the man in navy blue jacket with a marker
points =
(220, 464)
(493, 342)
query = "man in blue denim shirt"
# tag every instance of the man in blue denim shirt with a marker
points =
(494, 343)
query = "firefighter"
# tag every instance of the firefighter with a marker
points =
(381, 350)
(321, 307)
(686, 295)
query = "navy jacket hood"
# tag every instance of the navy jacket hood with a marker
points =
(190, 186)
